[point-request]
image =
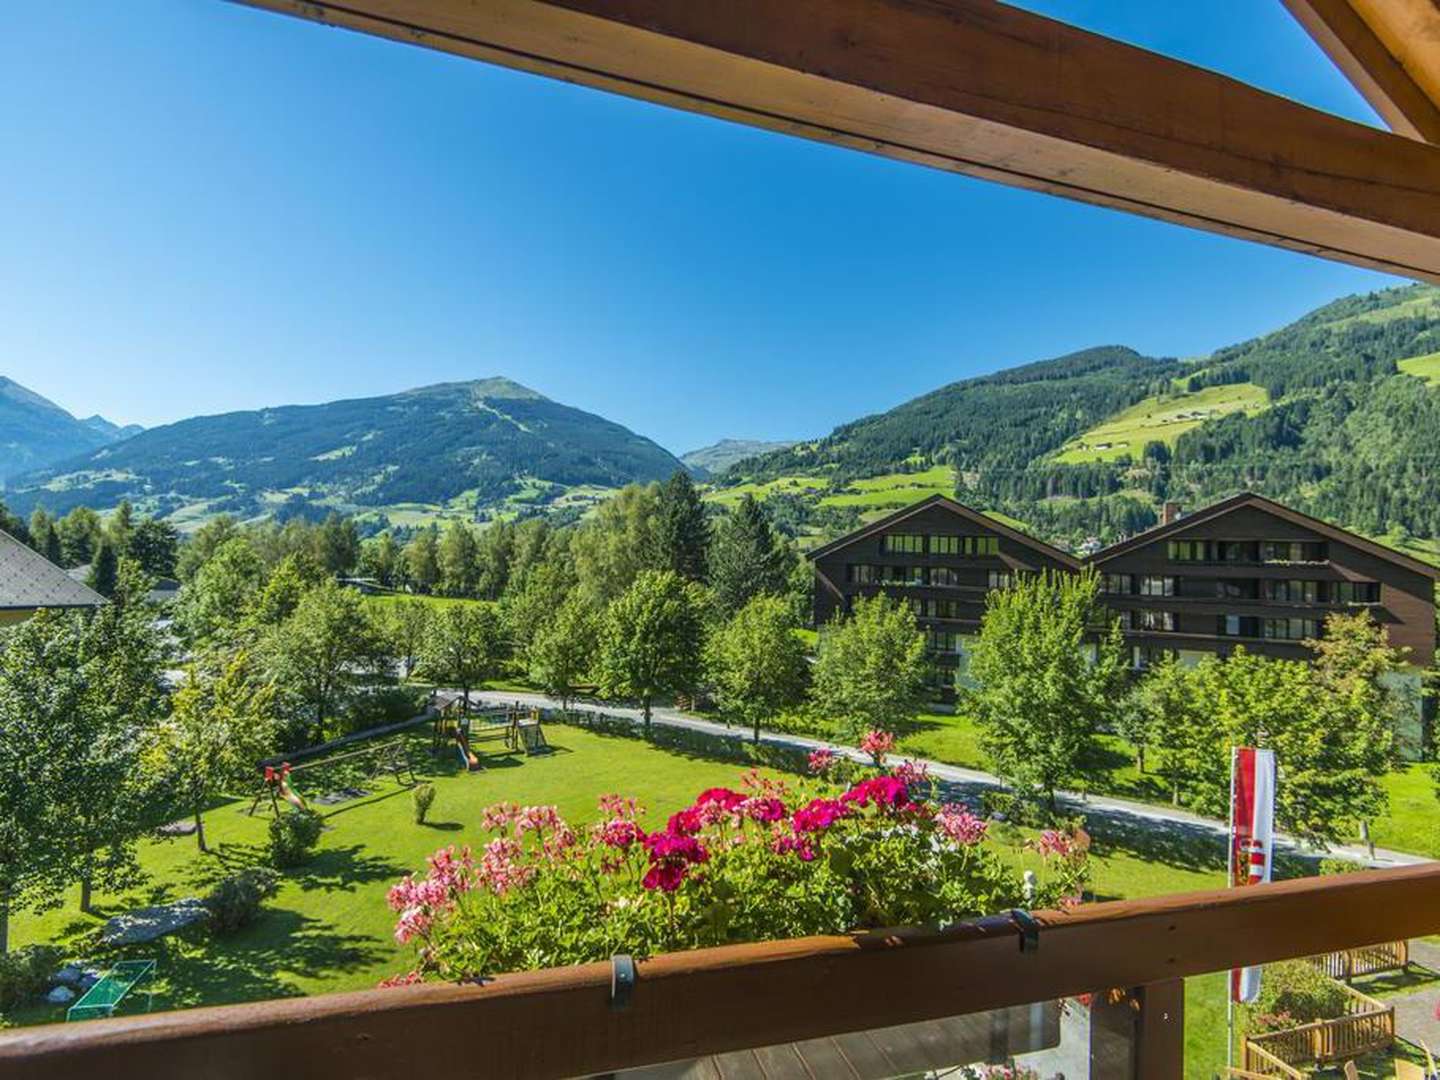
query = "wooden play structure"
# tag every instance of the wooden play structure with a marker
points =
(506, 729)
(369, 761)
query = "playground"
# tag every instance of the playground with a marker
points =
(329, 928)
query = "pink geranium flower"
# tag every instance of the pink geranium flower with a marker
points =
(821, 760)
(877, 744)
(959, 825)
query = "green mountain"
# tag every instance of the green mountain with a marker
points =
(1337, 414)
(490, 445)
(34, 431)
(717, 457)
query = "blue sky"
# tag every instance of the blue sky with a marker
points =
(206, 207)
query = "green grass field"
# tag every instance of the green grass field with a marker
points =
(1423, 367)
(1161, 420)
(895, 489)
(791, 485)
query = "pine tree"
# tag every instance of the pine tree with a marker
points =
(104, 571)
(749, 558)
(682, 530)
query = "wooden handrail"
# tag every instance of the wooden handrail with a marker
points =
(559, 1022)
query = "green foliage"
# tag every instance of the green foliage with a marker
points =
(155, 545)
(618, 542)
(756, 662)
(27, 973)
(562, 652)
(405, 625)
(222, 592)
(1042, 690)
(748, 558)
(463, 647)
(104, 571)
(80, 533)
(651, 638)
(870, 673)
(222, 722)
(682, 530)
(422, 797)
(528, 608)
(422, 560)
(459, 561)
(236, 901)
(1295, 992)
(314, 653)
(293, 836)
(374, 706)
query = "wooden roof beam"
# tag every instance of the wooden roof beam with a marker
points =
(1390, 51)
(978, 88)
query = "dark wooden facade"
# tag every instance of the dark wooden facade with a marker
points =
(1231, 574)
(942, 557)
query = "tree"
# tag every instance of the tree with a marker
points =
(154, 545)
(613, 546)
(562, 650)
(748, 558)
(463, 647)
(756, 662)
(104, 569)
(459, 561)
(203, 544)
(682, 531)
(337, 545)
(312, 652)
(222, 592)
(528, 609)
(870, 673)
(79, 534)
(44, 537)
(406, 624)
(120, 527)
(651, 638)
(382, 560)
(422, 560)
(222, 724)
(1043, 688)
(296, 575)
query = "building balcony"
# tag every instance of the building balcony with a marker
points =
(876, 1004)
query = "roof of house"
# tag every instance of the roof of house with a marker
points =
(960, 510)
(1270, 506)
(28, 580)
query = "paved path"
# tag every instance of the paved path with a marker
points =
(1415, 1019)
(1125, 811)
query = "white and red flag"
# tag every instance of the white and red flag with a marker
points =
(1252, 839)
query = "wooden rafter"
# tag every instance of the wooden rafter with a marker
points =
(979, 88)
(1390, 50)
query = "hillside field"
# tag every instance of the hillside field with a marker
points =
(1161, 420)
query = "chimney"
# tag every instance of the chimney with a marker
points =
(1171, 511)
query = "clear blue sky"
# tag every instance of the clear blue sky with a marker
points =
(206, 207)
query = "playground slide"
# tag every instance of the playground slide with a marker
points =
(467, 758)
(291, 796)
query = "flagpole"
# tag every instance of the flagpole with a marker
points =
(1230, 884)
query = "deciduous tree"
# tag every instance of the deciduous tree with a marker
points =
(463, 647)
(870, 672)
(756, 662)
(562, 651)
(314, 651)
(651, 638)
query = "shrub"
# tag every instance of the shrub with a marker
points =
(1295, 992)
(378, 706)
(422, 796)
(1341, 866)
(236, 901)
(27, 973)
(293, 836)
(774, 859)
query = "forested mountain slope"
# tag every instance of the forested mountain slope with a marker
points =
(1337, 414)
(468, 444)
(34, 431)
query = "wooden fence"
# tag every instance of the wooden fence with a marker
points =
(1367, 1025)
(1372, 960)
(570, 1022)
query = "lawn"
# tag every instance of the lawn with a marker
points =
(1425, 367)
(1161, 420)
(895, 489)
(329, 928)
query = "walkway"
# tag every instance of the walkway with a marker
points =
(1415, 1019)
(973, 780)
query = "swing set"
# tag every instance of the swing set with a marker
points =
(389, 757)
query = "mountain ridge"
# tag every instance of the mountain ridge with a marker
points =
(35, 432)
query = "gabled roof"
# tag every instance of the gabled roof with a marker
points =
(959, 510)
(28, 580)
(1259, 502)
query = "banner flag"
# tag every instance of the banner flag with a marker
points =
(1252, 839)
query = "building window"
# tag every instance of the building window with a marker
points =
(944, 576)
(1237, 590)
(999, 579)
(1125, 617)
(1292, 551)
(904, 544)
(1293, 592)
(1117, 584)
(944, 545)
(942, 641)
(1239, 626)
(982, 545)
(1157, 586)
(904, 575)
(1233, 551)
(942, 609)
(1291, 629)
(1189, 550)
(1155, 620)
(1147, 656)
(1355, 592)
(860, 574)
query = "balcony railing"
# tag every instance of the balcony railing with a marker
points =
(575, 1022)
